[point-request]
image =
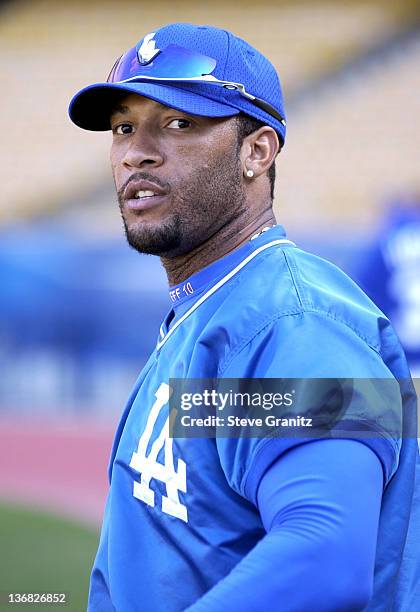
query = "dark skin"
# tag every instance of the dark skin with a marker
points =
(205, 206)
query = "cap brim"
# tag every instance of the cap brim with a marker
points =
(91, 107)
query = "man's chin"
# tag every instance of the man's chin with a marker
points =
(153, 241)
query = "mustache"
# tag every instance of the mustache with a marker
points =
(145, 176)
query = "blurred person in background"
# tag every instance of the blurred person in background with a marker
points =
(235, 523)
(390, 272)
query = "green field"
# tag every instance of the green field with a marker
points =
(41, 553)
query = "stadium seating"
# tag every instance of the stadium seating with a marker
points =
(51, 49)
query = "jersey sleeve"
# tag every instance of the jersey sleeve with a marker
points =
(316, 530)
(328, 359)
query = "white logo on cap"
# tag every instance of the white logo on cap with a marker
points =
(148, 49)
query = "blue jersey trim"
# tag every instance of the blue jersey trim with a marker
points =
(220, 284)
(188, 289)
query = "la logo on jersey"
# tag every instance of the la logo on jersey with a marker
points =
(149, 468)
(148, 50)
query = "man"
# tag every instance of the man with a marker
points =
(260, 522)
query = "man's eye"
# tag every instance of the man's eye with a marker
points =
(123, 128)
(179, 124)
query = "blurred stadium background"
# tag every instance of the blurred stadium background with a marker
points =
(79, 311)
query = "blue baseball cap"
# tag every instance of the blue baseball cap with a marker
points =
(200, 70)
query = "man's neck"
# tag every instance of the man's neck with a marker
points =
(226, 240)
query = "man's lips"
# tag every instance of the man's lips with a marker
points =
(134, 187)
(136, 204)
(142, 194)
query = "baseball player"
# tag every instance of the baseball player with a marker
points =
(243, 523)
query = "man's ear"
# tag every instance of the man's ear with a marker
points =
(259, 150)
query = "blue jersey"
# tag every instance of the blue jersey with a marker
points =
(181, 513)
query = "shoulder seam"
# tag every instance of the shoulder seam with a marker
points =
(293, 272)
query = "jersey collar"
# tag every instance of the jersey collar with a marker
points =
(192, 286)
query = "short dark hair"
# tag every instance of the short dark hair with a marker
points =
(246, 125)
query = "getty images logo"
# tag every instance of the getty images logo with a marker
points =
(148, 50)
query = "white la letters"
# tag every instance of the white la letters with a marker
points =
(148, 466)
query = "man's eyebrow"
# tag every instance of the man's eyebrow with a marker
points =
(119, 108)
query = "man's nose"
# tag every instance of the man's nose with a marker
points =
(142, 151)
